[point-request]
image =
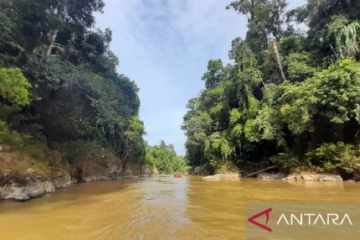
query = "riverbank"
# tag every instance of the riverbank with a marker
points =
(24, 177)
(297, 175)
(27, 188)
(301, 177)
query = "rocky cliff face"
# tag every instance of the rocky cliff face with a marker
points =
(148, 171)
(33, 187)
(23, 188)
(203, 170)
(22, 177)
(110, 172)
(28, 185)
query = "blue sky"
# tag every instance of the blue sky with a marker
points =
(164, 45)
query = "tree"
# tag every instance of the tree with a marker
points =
(59, 85)
(164, 158)
(288, 99)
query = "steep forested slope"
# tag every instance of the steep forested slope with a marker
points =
(59, 89)
(291, 97)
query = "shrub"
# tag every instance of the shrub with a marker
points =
(333, 157)
(287, 161)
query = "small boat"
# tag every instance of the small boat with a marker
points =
(177, 176)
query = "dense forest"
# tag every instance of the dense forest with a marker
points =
(164, 158)
(59, 89)
(291, 96)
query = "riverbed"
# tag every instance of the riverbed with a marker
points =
(156, 208)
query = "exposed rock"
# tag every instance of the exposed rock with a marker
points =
(230, 175)
(23, 193)
(202, 170)
(7, 172)
(321, 177)
(95, 178)
(101, 173)
(129, 177)
(271, 175)
(147, 170)
(62, 180)
(213, 177)
(356, 177)
(30, 170)
(228, 170)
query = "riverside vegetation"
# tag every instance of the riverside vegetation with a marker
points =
(65, 113)
(290, 98)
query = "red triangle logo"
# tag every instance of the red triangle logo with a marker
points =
(267, 212)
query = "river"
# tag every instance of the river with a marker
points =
(156, 208)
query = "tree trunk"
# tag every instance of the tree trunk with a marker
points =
(264, 170)
(53, 39)
(224, 96)
(279, 61)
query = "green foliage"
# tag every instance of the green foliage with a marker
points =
(9, 137)
(235, 116)
(164, 158)
(285, 93)
(299, 67)
(51, 51)
(337, 156)
(14, 87)
(80, 152)
(347, 40)
(287, 161)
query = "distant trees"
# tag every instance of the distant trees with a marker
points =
(164, 158)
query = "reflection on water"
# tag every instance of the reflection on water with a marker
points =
(156, 208)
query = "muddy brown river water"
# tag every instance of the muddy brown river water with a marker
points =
(156, 208)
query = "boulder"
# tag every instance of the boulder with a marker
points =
(321, 177)
(230, 175)
(213, 177)
(62, 180)
(356, 177)
(202, 170)
(29, 191)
